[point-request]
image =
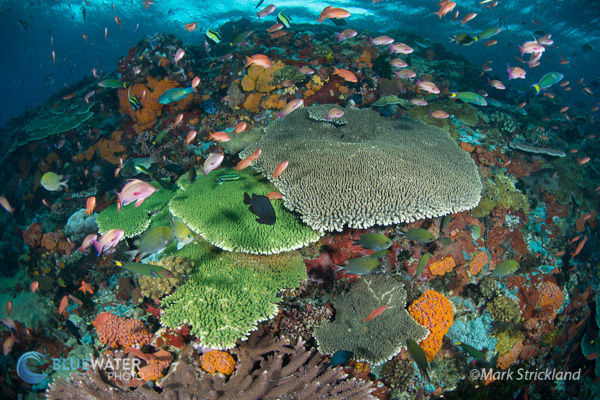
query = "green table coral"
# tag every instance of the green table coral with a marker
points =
(228, 294)
(135, 220)
(219, 215)
(381, 338)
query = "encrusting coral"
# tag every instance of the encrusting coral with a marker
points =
(382, 337)
(268, 368)
(218, 214)
(227, 294)
(370, 171)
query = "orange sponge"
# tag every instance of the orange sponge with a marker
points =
(435, 312)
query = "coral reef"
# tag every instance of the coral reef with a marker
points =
(227, 294)
(115, 331)
(381, 338)
(268, 368)
(217, 361)
(135, 220)
(218, 214)
(499, 191)
(158, 288)
(435, 312)
(436, 176)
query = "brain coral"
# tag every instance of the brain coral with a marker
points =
(370, 171)
(381, 338)
(218, 214)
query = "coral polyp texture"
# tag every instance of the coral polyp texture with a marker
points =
(382, 337)
(217, 212)
(228, 294)
(370, 171)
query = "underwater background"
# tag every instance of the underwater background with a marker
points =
(299, 199)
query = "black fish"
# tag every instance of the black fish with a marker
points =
(74, 330)
(261, 207)
(259, 3)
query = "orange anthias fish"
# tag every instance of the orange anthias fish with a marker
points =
(333, 13)
(90, 204)
(256, 154)
(345, 74)
(468, 17)
(445, 7)
(64, 302)
(258, 59)
(191, 26)
(86, 288)
(245, 163)
(241, 127)
(376, 312)
(219, 136)
(190, 137)
(118, 21)
(279, 169)
(9, 307)
(579, 247)
(274, 195)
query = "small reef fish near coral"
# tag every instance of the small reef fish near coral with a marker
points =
(351, 200)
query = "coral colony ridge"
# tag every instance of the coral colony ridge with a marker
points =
(371, 199)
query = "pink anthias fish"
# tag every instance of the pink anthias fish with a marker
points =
(418, 102)
(266, 11)
(496, 84)
(400, 48)
(405, 74)
(531, 47)
(178, 55)
(109, 240)
(334, 113)
(398, 63)
(87, 242)
(212, 162)
(290, 106)
(381, 40)
(134, 190)
(346, 34)
(428, 86)
(306, 70)
(515, 72)
(546, 40)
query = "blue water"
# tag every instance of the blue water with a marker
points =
(29, 76)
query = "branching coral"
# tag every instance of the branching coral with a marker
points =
(227, 294)
(268, 368)
(218, 214)
(381, 338)
(369, 171)
(435, 312)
